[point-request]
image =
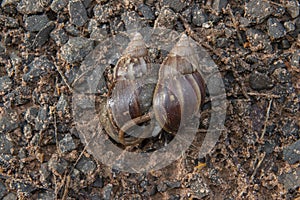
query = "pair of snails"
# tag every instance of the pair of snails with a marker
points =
(142, 100)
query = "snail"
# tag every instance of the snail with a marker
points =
(180, 89)
(130, 96)
(141, 98)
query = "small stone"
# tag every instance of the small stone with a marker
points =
(2, 48)
(86, 165)
(38, 68)
(57, 165)
(278, 11)
(77, 13)
(102, 12)
(132, 20)
(99, 34)
(218, 5)
(67, 144)
(98, 183)
(282, 75)
(146, 12)
(43, 35)
(289, 26)
(244, 22)
(9, 121)
(58, 5)
(9, 21)
(295, 61)
(259, 81)
(30, 6)
(45, 173)
(258, 15)
(176, 184)
(176, 5)
(31, 114)
(258, 40)
(198, 16)
(166, 19)
(292, 153)
(48, 195)
(10, 196)
(59, 36)
(162, 187)
(62, 104)
(76, 49)
(43, 118)
(3, 190)
(290, 128)
(222, 42)
(71, 29)
(293, 8)
(285, 44)
(290, 180)
(275, 28)
(9, 2)
(107, 190)
(22, 187)
(35, 23)
(5, 84)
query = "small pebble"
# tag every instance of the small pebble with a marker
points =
(57, 165)
(176, 5)
(275, 28)
(218, 5)
(293, 8)
(290, 180)
(67, 144)
(43, 35)
(22, 187)
(258, 15)
(77, 12)
(58, 5)
(166, 19)
(259, 81)
(35, 23)
(47, 195)
(5, 84)
(107, 190)
(291, 153)
(289, 26)
(76, 49)
(10, 196)
(86, 165)
(146, 12)
(3, 190)
(71, 29)
(258, 40)
(59, 36)
(198, 16)
(102, 13)
(38, 68)
(43, 118)
(295, 61)
(9, 121)
(30, 6)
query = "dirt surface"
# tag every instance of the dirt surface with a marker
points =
(255, 45)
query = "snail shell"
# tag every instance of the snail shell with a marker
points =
(130, 96)
(180, 89)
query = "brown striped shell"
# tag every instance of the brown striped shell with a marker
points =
(130, 97)
(180, 89)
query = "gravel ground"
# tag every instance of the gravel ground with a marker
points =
(255, 45)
